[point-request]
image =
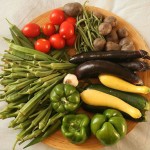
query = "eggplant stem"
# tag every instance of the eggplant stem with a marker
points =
(147, 56)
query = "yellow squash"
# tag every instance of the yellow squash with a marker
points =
(97, 98)
(119, 84)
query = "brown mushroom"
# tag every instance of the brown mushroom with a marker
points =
(125, 41)
(99, 44)
(112, 36)
(112, 20)
(122, 32)
(112, 46)
(105, 28)
(127, 47)
(73, 9)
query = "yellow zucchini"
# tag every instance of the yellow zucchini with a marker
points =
(97, 98)
(119, 84)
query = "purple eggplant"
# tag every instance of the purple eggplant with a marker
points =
(93, 68)
(136, 65)
(113, 55)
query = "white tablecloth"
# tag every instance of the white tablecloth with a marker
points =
(20, 12)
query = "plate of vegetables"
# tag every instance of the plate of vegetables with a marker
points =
(75, 77)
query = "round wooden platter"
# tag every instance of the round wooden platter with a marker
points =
(57, 140)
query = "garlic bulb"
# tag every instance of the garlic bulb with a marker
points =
(71, 79)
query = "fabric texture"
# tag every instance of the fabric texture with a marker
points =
(20, 12)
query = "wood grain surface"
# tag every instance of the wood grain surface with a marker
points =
(57, 140)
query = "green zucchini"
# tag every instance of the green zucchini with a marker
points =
(101, 109)
(135, 100)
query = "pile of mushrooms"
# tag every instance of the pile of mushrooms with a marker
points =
(115, 39)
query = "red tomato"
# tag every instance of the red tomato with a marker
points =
(66, 30)
(57, 41)
(71, 20)
(57, 16)
(42, 45)
(48, 29)
(71, 41)
(31, 30)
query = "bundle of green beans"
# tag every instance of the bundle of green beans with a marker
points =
(87, 31)
(28, 77)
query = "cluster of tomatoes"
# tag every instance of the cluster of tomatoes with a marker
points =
(56, 38)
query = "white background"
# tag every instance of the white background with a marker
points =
(20, 12)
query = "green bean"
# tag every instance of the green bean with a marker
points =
(53, 52)
(19, 81)
(84, 37)
(31, 89)
(39, 118)
(78, 44)
(87, 26)
(34, 134)
(10, 64)
(23, 99)
(66, 56)
(80, 21)
(33, 52)
(19, 75)
(58, 54)
(47, 83)
(22, 55)
(5, 73)
(44, 79)
(39, 69)
(21, 119)
(12, 124)
(14, 106)
(34, 62)
(24, 124)
(88, 30)
(33, 101)
(17, 31)
(8, 115)
(44, 121)
(20, 137)
(16, 69)
(56, 80)
(15, 96)
(19, 86)
(26, 44)
(61, 66)
(35, 114)
(45, 100)
(93, 36)
(52, 120)
(15, 39)
(43, 74)
(47, 133)
(11, 57)
(8, 40)
(3, 114)
(27, 64)
(19, 106)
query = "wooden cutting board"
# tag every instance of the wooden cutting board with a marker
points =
(57, 140)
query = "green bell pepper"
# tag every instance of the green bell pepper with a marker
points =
(76, 127)
(109, 127)
(64, 98)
